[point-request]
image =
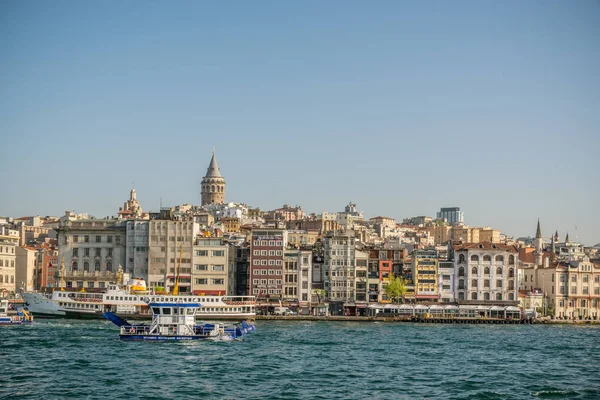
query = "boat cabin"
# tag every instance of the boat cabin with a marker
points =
(171, 319)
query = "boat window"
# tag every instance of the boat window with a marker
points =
(166, 311)
(155, 310)
(190, 311)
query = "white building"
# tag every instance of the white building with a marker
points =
(486, 272)
(9, 239)
(92, 250)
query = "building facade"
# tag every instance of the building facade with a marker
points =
(137, 248)
(486, 272)
(170, 246)
(267, 246)
(210, 275)
(92, 250)
(9, 240)
(425, 274)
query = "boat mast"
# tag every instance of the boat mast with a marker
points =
(176, 287)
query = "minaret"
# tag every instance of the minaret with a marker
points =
(213, 184)
(539, 244)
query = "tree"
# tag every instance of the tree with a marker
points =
(395, 289)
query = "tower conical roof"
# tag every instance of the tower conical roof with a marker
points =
(538, 233)
(567, 238)
(213, 168)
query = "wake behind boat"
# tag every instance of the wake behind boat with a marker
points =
(177, 321)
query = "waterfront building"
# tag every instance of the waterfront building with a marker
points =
(25, 268)
(345, 284)
(137, 248)
(213, 184)
(241, 262)
(170, 242)
(9, 240)
(424, 268)
(266, 262)
(564, 277)
(452, 215)
(92, 250)
(446, 281)
(210, 275)
(440, 231)
(486, 272)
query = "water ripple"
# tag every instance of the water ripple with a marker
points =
(304, 360)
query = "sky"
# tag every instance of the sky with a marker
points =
(400, 107)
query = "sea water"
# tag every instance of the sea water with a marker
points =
(59, 359)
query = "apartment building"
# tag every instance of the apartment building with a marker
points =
(210, 274)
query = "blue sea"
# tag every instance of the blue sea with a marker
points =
(60, 359)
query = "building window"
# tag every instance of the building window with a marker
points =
(486, 283)
(473, 296)
(109, 239)
(202, 267)
(97, 251)
(474, 271)
(218, 253)
(204, 253)
(109, 266)
(75, 238)
(474, 257)
(201, 281)
(218, 268)
(499, 271)
(86, 238)
(90, 284)
(110, 252)
(487, 258)
(97, 266)
(86, 266)
(98, 238)
(573, 289)
(219, 281)
(486, 271)
(499, 258)
(486, 296)
(117, 240)
(461, 258)
(461, 271)
(474, 283)
(257, 252)
(511, 260)
(499, 283)
(498, 296)
(75, 252)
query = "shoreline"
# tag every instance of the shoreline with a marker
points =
(428, 320)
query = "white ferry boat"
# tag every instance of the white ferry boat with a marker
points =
(132, 301)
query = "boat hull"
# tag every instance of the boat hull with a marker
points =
(155, 338)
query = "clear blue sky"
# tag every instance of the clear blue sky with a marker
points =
(400, 107)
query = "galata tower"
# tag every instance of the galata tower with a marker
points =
(213, 184)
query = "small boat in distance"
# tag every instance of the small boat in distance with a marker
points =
(177, 321)
(22, 317)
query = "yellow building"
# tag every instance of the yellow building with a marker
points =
(424, 273)
(230, 224)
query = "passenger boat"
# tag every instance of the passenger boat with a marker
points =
(22, 317)
(177, 321)
(129, 301)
